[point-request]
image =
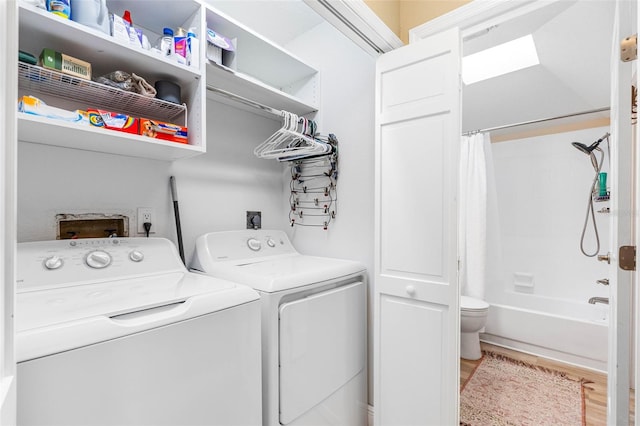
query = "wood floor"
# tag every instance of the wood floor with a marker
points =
(595, 392)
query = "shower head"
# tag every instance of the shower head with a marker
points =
(586, 149)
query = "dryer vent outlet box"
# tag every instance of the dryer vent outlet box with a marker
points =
(254, 220)
(91, 225)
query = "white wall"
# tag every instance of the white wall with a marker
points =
(346, 109)
(543, 187)
(214, 190)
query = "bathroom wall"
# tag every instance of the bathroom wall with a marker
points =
(542, 186)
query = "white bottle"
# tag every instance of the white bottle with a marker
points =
(193, 49)
(165, 43)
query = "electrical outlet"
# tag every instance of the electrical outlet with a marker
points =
(146, 214)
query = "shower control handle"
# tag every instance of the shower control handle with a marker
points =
(604, 281)
(604, 258)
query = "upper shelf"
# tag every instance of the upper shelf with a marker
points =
(101, 50)
(250, 88)
(261, 70)
(258, 57)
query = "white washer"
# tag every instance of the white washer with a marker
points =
(118, 332)
(313, 325)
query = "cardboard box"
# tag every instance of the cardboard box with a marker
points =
(114, 121)
(66, 64)
(165, 131)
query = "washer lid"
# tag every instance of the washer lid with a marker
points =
(472, 304)
(49, 321)
(277, 273)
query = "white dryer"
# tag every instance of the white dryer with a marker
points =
(313, 325)
(117, 332)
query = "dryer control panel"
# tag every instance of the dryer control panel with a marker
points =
(49, 264)
(240, 246)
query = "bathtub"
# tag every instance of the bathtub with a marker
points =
(567, 331)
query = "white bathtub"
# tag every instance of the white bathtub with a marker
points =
(567, 331)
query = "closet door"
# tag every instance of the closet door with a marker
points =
(417, 327)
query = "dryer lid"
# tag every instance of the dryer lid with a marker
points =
(285, 272)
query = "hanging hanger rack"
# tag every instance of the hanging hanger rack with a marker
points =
(541, 120)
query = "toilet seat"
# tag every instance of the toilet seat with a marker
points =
(470, 304)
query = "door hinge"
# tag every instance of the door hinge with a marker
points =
(629, 49)
(627, 258)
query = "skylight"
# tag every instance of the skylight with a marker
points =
(502, 59)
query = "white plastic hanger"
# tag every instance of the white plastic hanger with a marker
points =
(288, 141)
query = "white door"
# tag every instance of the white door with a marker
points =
(8, 142)
(416, 335)
(622, 223)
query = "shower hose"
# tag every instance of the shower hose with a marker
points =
(590, 211)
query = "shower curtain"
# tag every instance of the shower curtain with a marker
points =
(476, 184)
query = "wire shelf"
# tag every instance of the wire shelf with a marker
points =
(96, 95)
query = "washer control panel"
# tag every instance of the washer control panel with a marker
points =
(254, 244)
(49, 264)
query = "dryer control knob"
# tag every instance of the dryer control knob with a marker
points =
(53, 262)
(254, 244)
(136, 256)
(98, 259)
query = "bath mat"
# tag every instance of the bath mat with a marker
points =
(504, 391)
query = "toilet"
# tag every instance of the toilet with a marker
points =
(473, 317)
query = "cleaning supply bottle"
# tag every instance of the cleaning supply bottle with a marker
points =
(165, 43)
(60, 7)
(602, 184)
(193, 49)
(180, 45)
(135, 35)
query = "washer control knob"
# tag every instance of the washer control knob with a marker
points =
(411, 290)
(53, 262)
(254, 244)
(270, 242)
(98, 259)
(136, 256)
